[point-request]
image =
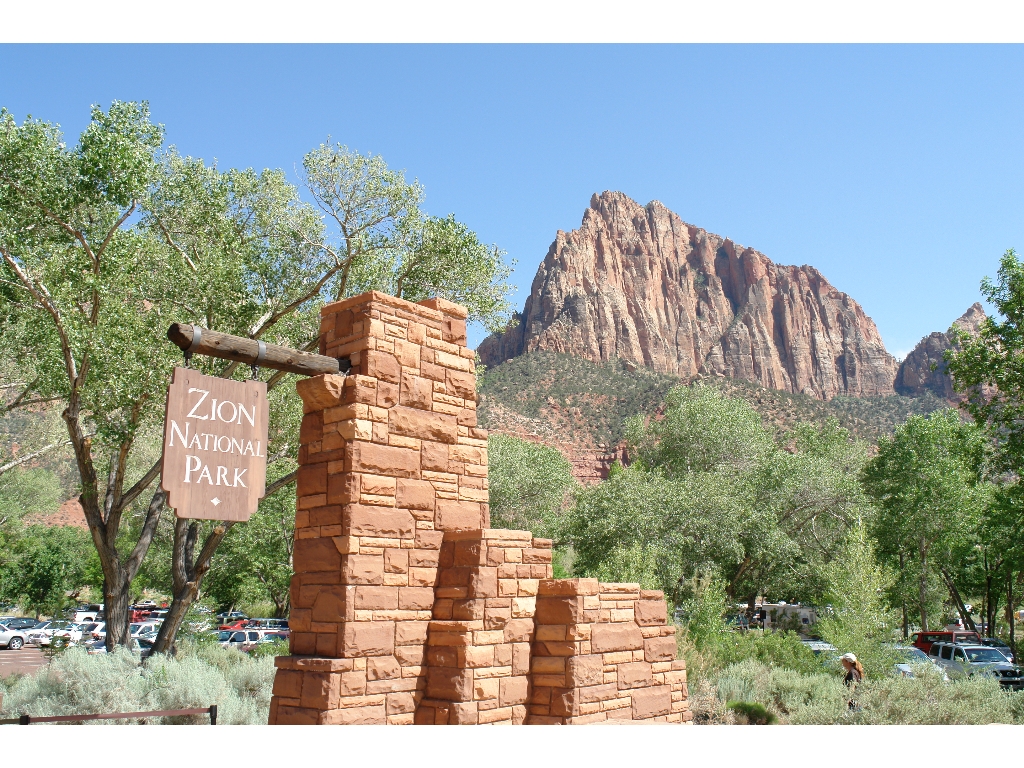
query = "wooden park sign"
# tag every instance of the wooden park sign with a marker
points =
(215, 433)
(215, 446)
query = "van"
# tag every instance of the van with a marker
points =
(924, 640)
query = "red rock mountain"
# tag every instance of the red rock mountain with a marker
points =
(915, 374)
(638, 283)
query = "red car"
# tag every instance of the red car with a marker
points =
(924, 640)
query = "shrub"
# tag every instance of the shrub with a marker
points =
(752, 713)
(77, 683)
(818, 699)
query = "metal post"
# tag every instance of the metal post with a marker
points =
(213, 714)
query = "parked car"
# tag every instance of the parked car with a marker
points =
(143, 628)
(42, 632)
(271, 624)
(227, 618)
(141, 644)
(974, 659)
(910, 657)
(18, 622)
(999, 645)
(243, 640)
(11, 639)
(73, 632)
(924, 640)
(86, 612)
(95, 631)
(818, 647)
(273, 637)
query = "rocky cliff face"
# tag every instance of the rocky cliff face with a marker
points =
(638, 283)
(915, 374)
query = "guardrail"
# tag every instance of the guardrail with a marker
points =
(29, 719)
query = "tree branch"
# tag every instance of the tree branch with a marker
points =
(40, 452)
(156, 508)
(136, 490)
(280, 483)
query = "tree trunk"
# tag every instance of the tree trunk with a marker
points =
(116, 600)
(1009, 610)
(922, 586)
(903, 597)
(187, 576)
(958, 601)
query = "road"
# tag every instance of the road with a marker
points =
(25, 661)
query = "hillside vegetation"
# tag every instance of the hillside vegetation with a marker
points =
(571, 400)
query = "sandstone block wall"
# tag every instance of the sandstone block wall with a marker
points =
(406, 607)
(604, 652)
(478, 646)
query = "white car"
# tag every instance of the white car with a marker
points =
(12, 639)
(143, 629)
(86, 613)
(912, 656)
(96, 630)
(41, 633)
(73, 633)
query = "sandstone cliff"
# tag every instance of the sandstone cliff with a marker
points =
(637, 283)
(915, 374)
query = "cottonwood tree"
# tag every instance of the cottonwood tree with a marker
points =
(107, 242)
(988, 370)
(528, 485)
(710, 491)
(927, 482)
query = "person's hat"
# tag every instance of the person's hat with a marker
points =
(849, 657)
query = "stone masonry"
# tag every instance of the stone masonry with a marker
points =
(406, 606)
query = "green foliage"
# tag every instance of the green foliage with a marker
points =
(820, 699)
(528, 485)
(752, 713)
(254, 563)
(989, 368)
(48, 564)
(276, 648)
(582, 402)
(198, 676)
(711, 491)
(927, 483)
(859, 620)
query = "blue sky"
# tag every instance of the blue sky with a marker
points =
(896, 171)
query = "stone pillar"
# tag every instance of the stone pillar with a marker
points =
(390, 459)
(604, 652)
(478, 654)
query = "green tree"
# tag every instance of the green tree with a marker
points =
(988, 369)
(710, 489)
(859, 620)
(50, 567)
(927, 483)
(106, 242)
(528, 485)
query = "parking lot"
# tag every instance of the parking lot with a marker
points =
(24, 661)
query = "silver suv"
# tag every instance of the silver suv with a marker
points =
(972, 659)
(13, 639)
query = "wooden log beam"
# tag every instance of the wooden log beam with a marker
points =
(242, 350)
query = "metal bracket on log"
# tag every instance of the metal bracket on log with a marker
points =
(202, 341)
